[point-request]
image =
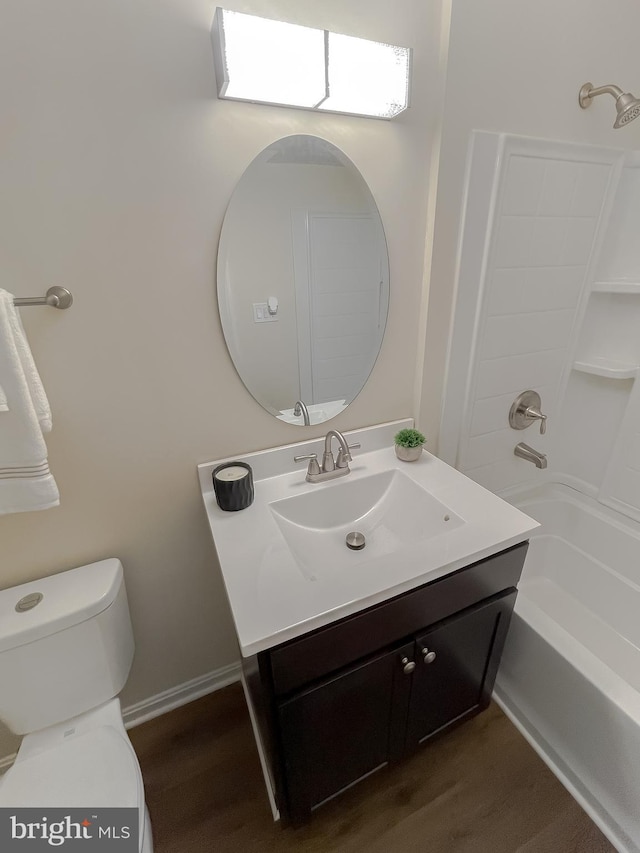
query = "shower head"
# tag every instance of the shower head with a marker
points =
(627, 106)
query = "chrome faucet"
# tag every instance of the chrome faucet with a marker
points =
(330, 468)
(525, 452)
(301, 409)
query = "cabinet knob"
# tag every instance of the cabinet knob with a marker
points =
(407, 666)
(429, 657)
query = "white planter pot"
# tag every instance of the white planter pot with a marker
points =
(408, 454)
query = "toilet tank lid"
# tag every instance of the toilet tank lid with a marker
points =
(68, 598)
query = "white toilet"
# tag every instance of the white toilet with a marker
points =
(66, 648)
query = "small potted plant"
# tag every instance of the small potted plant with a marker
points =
(409, 444)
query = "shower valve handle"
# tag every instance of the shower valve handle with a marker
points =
(535, 414)
(526, 410)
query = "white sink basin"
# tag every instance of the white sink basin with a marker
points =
(421, 520)
(389, 509)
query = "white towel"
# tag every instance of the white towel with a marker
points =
(25, 480)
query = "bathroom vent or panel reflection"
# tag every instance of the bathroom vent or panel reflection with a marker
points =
(274, 62)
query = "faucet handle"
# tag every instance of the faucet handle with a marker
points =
(525, 410)
(534, 413)
(343, 460)
(313, 467)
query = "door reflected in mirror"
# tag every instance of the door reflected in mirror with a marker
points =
(303, 280)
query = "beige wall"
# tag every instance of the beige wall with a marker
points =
(516, 66)
(116, 164)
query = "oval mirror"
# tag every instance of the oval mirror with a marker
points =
(303, 279)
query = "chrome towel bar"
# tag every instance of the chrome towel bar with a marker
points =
(56, 297)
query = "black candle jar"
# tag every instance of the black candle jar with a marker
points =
(233, 485)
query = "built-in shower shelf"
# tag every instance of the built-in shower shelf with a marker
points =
(629, 287)
(607, 367)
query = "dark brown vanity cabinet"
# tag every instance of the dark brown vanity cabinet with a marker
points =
(343, 701)
(456, 666)
(343, 729)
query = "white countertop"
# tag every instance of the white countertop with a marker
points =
(274, 600)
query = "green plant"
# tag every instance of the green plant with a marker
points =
(409, 438)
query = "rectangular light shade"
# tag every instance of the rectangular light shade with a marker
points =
(272, 62)
(366, 77)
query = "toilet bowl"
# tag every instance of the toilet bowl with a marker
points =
(66, 647)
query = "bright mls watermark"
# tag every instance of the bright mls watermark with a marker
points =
(103, 830)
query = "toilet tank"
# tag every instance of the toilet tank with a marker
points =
(66, 645)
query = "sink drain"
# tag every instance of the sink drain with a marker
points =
(355, 541)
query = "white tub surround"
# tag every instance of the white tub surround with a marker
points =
(534, 218)
(570, 673)
(549, 299)
(277, 592)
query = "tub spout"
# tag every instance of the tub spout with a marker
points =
(525, 452)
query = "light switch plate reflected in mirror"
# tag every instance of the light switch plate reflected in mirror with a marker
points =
(261, 313)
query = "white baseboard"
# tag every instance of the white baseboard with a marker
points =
(168, 700)
(182, 694)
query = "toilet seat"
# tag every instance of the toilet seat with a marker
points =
(94, 768)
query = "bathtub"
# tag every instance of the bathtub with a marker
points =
(570, 674)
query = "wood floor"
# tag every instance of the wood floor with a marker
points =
(479, 789)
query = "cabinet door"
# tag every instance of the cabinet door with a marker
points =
(456, 666)
(344, 728)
